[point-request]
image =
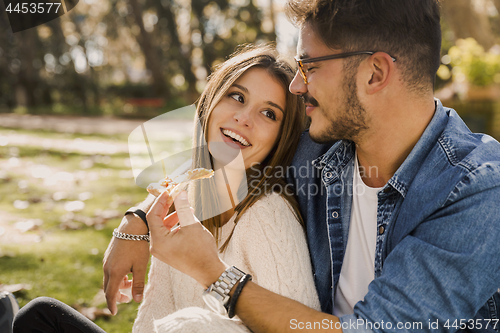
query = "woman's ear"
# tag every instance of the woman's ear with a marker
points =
(380, 67)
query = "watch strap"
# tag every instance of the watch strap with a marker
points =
(232, 302)
(139, 212)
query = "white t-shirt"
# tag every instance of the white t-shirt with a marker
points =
(359, 261)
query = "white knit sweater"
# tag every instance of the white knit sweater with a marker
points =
(268, 243)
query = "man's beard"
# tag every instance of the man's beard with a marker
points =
(351, 119)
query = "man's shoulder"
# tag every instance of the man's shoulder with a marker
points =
(462, 160)
(460, 174)
(478, 156)
(466, 149)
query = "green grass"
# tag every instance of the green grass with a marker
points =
(65, 264)
(47, 134)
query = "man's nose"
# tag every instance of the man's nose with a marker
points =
(297, 86)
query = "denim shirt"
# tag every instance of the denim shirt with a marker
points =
(437, 258)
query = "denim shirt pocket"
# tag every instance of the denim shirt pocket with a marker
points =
(487, 319)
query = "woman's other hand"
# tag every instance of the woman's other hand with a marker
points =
(123, 257)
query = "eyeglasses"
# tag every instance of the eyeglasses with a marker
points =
(303, 70)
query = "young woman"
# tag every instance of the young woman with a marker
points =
(252, 125)
(246, 108)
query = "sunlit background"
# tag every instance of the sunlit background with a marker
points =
(117, 57)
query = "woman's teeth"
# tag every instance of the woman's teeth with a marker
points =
(235, 137)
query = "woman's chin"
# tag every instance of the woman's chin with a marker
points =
(224, 152)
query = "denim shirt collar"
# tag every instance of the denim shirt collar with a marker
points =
(339, 155)
(335, 160)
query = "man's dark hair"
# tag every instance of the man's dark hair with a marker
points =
(408, 30)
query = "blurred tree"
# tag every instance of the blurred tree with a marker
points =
(189, 37)
(151, 53)
(465, 21)
(170, 35)
(143, 48)
(220, 26)
(6, 95)
(28, 77)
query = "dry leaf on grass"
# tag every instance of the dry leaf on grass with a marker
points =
(15, 288)
(93, 312)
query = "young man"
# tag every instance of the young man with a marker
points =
(401, 212)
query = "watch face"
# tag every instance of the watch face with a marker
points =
(214, 304)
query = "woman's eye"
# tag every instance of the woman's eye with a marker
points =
(270, 114)
(237, 97)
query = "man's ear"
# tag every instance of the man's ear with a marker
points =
(380, 72)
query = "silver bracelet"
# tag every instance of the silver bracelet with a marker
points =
(121, 235)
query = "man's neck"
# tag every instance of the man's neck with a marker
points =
(390, 140)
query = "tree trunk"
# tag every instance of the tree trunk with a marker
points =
(182, 54)
(28, 76)
(466, 22)
(272, 35)
(153, 62)
(497, 4)
(208, 54)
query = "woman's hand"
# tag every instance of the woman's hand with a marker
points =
(190, 248)
(123, 257)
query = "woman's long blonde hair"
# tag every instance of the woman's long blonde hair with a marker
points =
(269, 174)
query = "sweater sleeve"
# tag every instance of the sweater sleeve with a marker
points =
(270, 242)
(158, 299)
(167, 291)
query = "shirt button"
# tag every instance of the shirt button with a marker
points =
(387, 189)
(335, 214)
(381, 230)
(328, 174)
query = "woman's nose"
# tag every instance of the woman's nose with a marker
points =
(297, 86)
(243, 117)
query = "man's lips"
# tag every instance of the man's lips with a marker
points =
(309, 109)
(310, 103)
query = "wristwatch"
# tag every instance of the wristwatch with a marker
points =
(217, 295)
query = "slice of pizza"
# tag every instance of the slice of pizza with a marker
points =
(174, 188)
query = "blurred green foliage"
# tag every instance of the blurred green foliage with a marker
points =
(99, 55)
(470, 62)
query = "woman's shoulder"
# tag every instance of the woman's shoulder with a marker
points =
(271, 201)
(272, 208)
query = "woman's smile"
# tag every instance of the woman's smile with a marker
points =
(234, 138)
(247, 119)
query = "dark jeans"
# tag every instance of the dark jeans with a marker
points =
(48, 315)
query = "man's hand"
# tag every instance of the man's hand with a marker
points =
(191, 248)
(123, 257)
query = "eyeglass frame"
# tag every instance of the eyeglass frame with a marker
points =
(301, 62)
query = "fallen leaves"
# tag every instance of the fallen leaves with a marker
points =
(15, 288)
(72, 221)
(95, 310)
